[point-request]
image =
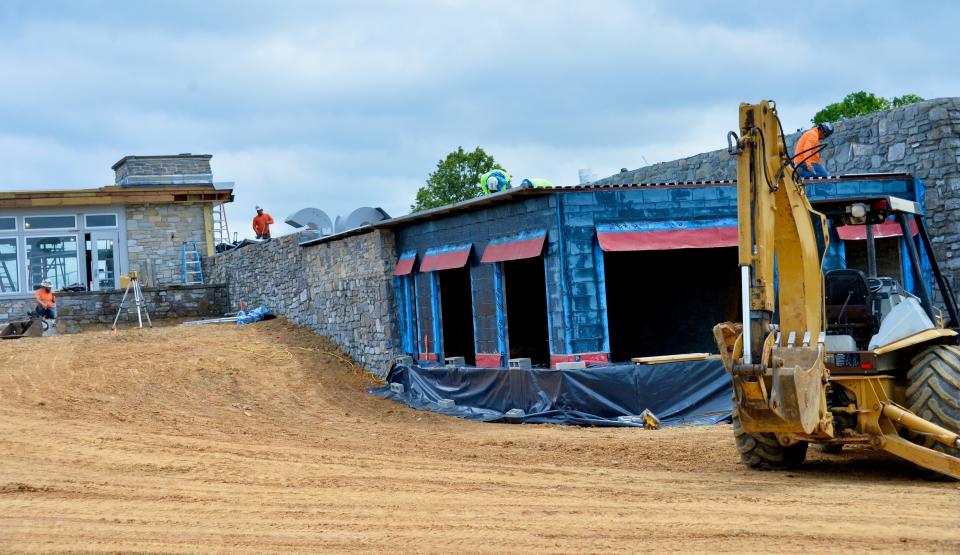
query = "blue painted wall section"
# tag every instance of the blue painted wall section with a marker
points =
(573, 263)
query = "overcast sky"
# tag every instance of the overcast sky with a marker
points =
(338, 105)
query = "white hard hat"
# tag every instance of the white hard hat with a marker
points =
(259, 208)
(46, 283)
(493, 183)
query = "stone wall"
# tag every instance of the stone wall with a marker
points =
(921, 139)
(15, 309)
(341, 289)
(75, 309)
(157, 166)
(155, 235)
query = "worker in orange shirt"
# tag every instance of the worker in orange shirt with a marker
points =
(807, 153)
(46, 301)
(261, 224)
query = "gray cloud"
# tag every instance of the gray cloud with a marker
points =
(338, 105)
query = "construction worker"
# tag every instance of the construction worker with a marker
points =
(807, 153)
(261, 224)
(537, 183)
(495, 181)
(46, 301)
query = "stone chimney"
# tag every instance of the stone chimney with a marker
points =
(172, 170)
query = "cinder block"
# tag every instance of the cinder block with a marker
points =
(446, 403)
(519, 364)
(575, 365)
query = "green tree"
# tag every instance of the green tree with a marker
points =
(861, 103)
(906, 99)
(457, 178)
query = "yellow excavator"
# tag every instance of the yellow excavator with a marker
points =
(839, 358)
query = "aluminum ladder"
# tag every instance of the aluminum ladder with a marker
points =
(191, 264)
(221, 229)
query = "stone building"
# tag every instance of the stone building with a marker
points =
(83, 240)
(641, 263)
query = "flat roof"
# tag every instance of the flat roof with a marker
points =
(114, 194)
(518, 192)
(510, 194)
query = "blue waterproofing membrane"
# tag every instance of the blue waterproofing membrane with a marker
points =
(697, 392)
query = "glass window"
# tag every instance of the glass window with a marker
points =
(106, 276)
(9, 266)
(101, 220)
(49, 222)
(53, 258)
(8, 223)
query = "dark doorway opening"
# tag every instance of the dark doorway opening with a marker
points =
(527, 327)
(667, 302)
(456, 313)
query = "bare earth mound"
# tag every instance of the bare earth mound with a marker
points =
(260, 439)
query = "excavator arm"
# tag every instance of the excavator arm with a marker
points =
(778, 369)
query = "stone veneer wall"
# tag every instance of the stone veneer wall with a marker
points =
(341, 289)
(155, 235)
(75, 309)
(921, 139)
(15, 309)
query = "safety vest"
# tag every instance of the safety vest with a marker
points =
(537, 183)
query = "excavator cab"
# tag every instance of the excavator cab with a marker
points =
(850, 309)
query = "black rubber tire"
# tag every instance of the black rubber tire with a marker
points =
(764, 451)
(933, 392)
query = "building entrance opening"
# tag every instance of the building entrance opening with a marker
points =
(667, 302)
(456, 313)
(526, 294)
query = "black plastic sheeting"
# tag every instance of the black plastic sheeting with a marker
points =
(697, 392)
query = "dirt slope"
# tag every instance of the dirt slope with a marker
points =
(252, 439)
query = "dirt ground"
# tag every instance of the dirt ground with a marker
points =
(257, 439)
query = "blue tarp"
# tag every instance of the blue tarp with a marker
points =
(696, 392)
(255, 315)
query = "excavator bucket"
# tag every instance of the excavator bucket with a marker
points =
(794, 392)
(25, 328)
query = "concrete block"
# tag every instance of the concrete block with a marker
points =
(575, 365)
(519, 364)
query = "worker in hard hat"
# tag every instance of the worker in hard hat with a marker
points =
(46, 301)
(537, 183)
(807, 154)
(495, 181)
(261, 224)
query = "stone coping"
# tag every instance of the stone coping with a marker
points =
(144, 289)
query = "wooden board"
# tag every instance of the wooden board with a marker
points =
(686, 357)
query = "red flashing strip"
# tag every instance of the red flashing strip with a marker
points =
(589, 358)
(489, 360)
(706, 238)
(445, 260)
(428, 356)
(514, 250)
(404, 266)
(886, 229)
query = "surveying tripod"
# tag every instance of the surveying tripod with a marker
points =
(137, 300)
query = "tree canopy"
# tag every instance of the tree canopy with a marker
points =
(861, 103)
(457, 178)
